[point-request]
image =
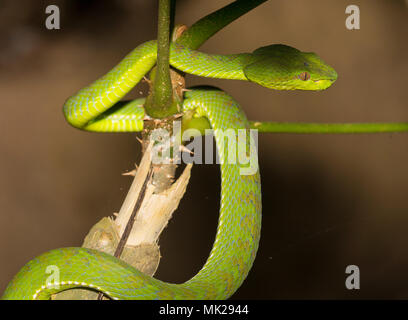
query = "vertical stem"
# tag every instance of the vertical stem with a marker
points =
(160, 102)
(163, 40)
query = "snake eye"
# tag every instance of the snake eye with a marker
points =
(304, 76)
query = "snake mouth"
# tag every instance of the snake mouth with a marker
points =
(323, 84)
(324, 81)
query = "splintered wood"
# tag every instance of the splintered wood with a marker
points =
(141, 250)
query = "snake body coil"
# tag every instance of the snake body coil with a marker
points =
(98, 108)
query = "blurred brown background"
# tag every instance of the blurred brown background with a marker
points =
(328, 201)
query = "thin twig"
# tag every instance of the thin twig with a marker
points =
(329, 128)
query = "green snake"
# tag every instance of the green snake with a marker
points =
(98, 108)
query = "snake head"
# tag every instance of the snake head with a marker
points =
(285, 68)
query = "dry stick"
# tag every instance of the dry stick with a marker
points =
(131, 221)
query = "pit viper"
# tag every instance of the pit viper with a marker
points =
(98, 108)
